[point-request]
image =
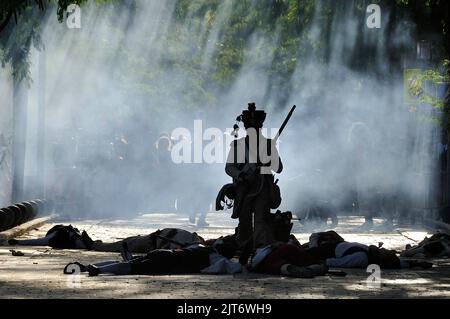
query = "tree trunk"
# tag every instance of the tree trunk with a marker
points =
(41, 125)
(20, 103)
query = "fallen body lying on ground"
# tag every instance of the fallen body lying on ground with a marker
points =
(324, 251)
(437, 246)
(213, 259)
(195, 258)
(337, 253)
(174, 250)
(289, 258)
(69, 237)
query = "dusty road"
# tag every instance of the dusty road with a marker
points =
(38, 274)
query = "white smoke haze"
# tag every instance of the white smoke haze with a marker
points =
(112, 88)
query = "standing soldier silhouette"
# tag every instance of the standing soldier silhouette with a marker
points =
(250, 163)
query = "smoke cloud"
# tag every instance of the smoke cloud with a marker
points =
(131, 73)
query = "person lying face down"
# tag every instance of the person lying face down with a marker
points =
(167, 238)
(60, 237)
(437, 246)
(289, 259)
(324, 250)
(69, 237)
(356, 255)
(338, 253)
(193, 259)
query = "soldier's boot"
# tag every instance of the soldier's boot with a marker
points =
(93, 270)
(318, 269)
(296, 271)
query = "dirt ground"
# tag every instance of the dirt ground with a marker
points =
(38, 274)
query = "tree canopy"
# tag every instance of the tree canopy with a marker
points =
(283, 22)
(20, 28)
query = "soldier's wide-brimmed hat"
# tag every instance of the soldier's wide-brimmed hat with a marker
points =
(252, 116)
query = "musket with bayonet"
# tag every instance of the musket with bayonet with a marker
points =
(286, 121)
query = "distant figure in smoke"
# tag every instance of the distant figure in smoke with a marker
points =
(255, 191)
(165, 170)
(196, 204)
(163, 148)
(363, 163)
(178, 179)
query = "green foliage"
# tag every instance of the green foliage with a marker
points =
(429, 78)
(20, 29)
(16, 42)
(284, 24)
(280, 21)
(422, 90)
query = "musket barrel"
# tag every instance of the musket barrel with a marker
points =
(283, 126)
